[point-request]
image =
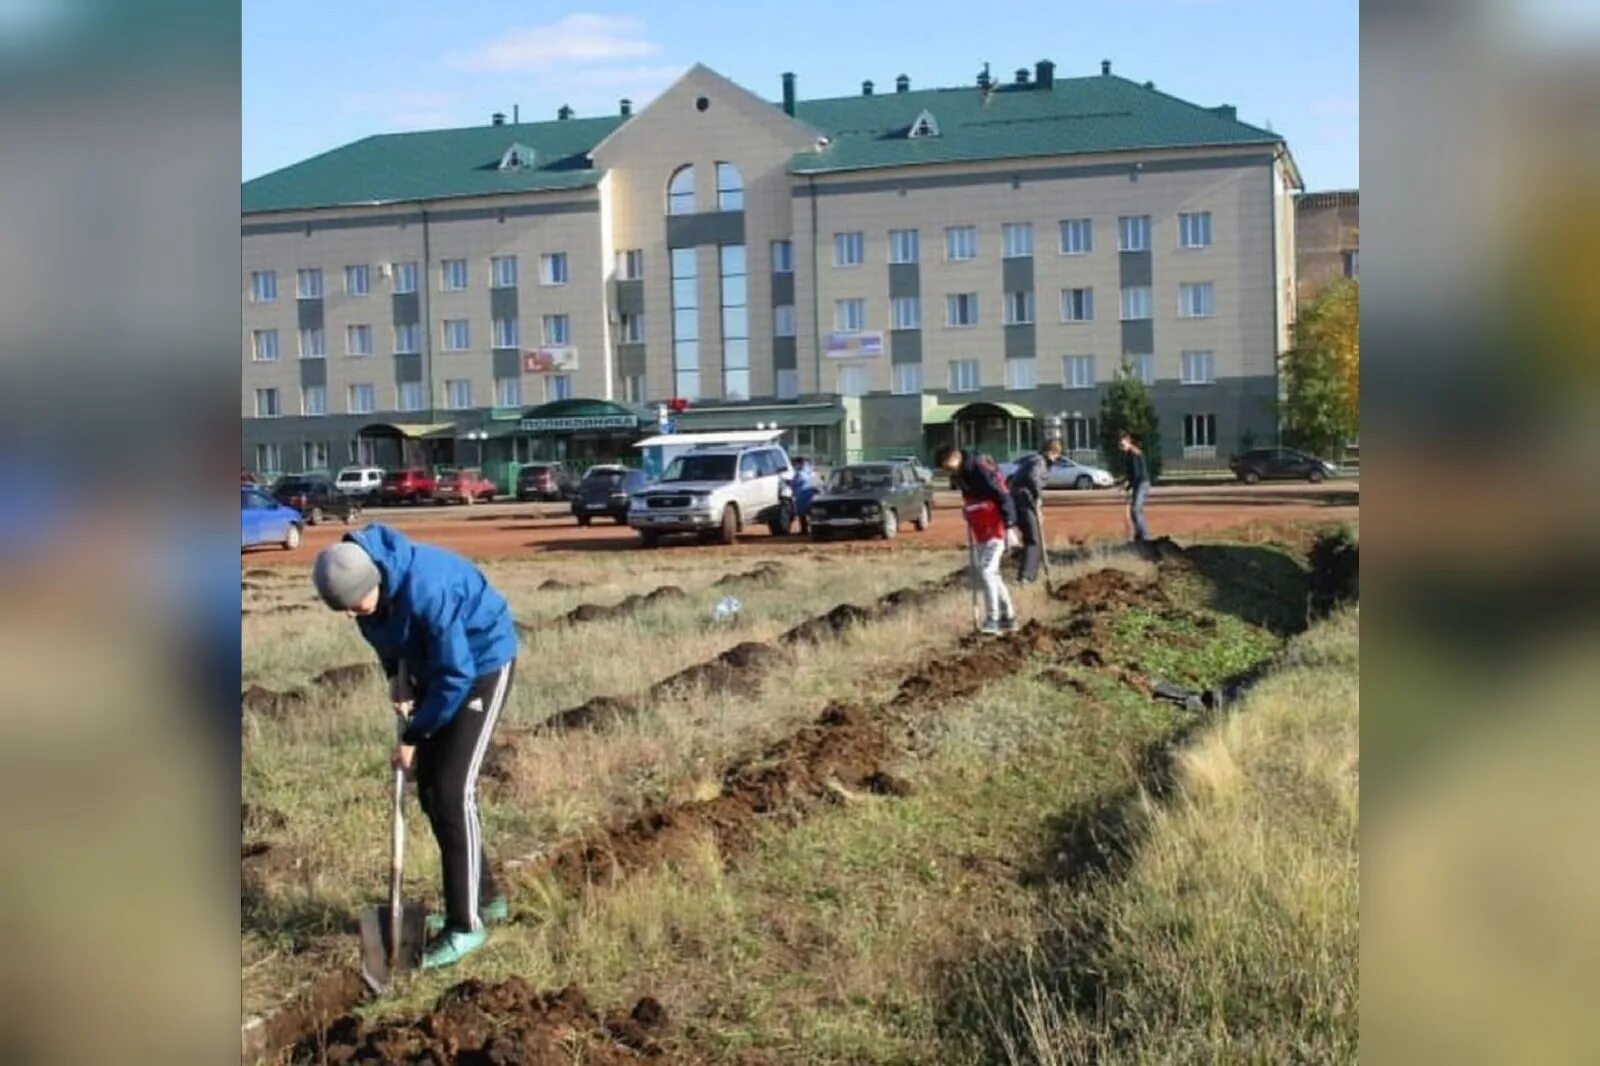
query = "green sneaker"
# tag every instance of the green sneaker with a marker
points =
(450, 948)
(495, 912)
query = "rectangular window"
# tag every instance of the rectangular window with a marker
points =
(783, 257)
(263, 286)
(1194, 229)
(358, 340)
(630, 264)
(458, 394)
(731, 267)
(557, 387)
(508, 392)
(308, 284)
(906, 312)
(685, 324)
(405, 277)
(788, 384)
(357, 280)
(960, 243)
(630, 328)
(267, 403)
(407, 338)
(1077, 236)
(1194, 300)
(312, 344)
(1019, 307)
(457, 337)
(264, 345)
(1133, 233)
(507, 333)
(907, 379)
(408, 396)
(961, 309)
(1016, 240)
(553, 269)
(849, 249)
(1197, 368)
(267, 459)
(964, 375)
(1077, 371)
(1142, 367)
(557, 331)
(1078, 434)
(850, 316)
(314, 400)
(314, 455)
(503, 271)
(361, 399)
(633, 389)
(452, 274)
(903, 246)
(853, 381)
(1021, 373)
(783, 320)
(1077, 305)
(1199, 431)
(1135, 302)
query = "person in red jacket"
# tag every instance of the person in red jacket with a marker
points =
(992, 521)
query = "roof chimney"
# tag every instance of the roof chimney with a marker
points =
(516, 112)
(983, 77)
(1022, 75)
(788, 95)
(627, 107)
(1044, 74)
(902, 84)
(565, 113)
(1105, 67)
(498, 118)
(866, 88)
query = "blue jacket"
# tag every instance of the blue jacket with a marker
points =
(804, 484)
(440, 617)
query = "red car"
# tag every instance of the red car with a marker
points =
(406, 486)
(463, 486)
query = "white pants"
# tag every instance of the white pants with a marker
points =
(996, 597)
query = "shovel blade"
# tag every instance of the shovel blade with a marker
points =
(375, 969)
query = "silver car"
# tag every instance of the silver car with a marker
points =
(1066, 474)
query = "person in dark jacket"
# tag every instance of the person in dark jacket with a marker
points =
(1138, 480)
(1027, 488)
(448, 645)
(991, 516)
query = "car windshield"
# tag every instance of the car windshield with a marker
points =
(701, 468)
(861, 479)
(294, 484)
(606, 478)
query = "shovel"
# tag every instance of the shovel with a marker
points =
(1044, 544)
(392, 935)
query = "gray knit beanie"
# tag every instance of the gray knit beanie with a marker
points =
(344, 574)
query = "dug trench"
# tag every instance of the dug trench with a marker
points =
(765, 574)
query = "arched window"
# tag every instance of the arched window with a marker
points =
(680, 191)
(730, 188)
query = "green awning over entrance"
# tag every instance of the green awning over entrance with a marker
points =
(573, 416)
(784, 416)
(412, 432)
(941, 414)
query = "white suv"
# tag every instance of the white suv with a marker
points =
(716, 492)
(359, 481)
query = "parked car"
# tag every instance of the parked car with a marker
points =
(544, 481)
(871, 498)
(604, 492)
(463, 486)
(1066, 474)
(1258, 464)
(716, 492)
(406, 486)
(315, 497)
(921, 469)
(360, 482)
(263, 520)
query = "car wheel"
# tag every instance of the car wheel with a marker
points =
(620, 519)
(1250, 477)
(583, 520)
(728, 532)
(782, 521)
(1084, 482)
(649, 538)
(1315, 477)
(891, 524)
(291, 539)
(924, 517)
(821, 533)
(315, 517)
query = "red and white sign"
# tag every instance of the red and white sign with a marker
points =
(549, 360)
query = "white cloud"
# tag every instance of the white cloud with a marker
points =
(571, 40)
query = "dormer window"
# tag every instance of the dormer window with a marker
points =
(925, 126)
(517, 157)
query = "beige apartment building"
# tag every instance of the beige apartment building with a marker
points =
(871, 274)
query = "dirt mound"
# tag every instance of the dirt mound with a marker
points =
(270, 703)
(767, 572)
(597, 712)
(281, 608)
(738, 669)
(585, 613)
(1102, 590)
(258, 572)
(339, 681)
(555, 584)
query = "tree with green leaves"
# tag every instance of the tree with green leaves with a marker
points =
(1126, 406)
(1322, 372)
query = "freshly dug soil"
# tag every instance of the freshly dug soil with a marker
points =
(763, 573)
(600, 612)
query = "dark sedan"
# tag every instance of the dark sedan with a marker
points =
(315, 497)
(1265, 464)
(872, 499)
(604, 492)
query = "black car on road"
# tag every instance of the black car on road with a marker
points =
(872, 499)
(1263, 464)
(604, 492)
(544, 481)
(316, 498)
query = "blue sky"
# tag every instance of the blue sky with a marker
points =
(318, 75)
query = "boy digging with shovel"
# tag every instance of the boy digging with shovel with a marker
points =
(991, 516)
(448, 645)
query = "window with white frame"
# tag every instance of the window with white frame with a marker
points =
(458, 394)
(1142, 367)
(1194, 300)
(357, 280)
(1078, 433)
(905, 312)
(308, 283)
(853, 381)
(361, 399)
(363, 451)
(557, 330)
(630, 264)
(557, 387)
(267, 403)
(783, 257)
(408, 396)
(553, 268)
(1194, 229)
(405, 277)
(313, 344)
(313, 400)
(1133, 233)
(730, 188)
(507, 333)
(452, 274)
(268, 460)
(850, 316)
(1016, 240)
(904, 246)
(961, 309)
(680, 192)
(1197, 368)
(1077, 236)
(457, 335)
(263, 286)
(907, 379)
(407, 338)
(508, 392)
(960, 243)
(964, 375)
(849, 249)
(630, 328)
(1135, 302)
(264, 345)
(1077, 371)
(314, 455)
(503, 271)
(1022, 373)
(633, 390)
(685, 323)
(358, 339)
(732, 264)
(1199, 432)
(788, 384)
(783, 320)
(1019, 307)
(1077, 305)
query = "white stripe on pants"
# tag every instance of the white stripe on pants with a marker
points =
(996, 597)
(470, 799)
